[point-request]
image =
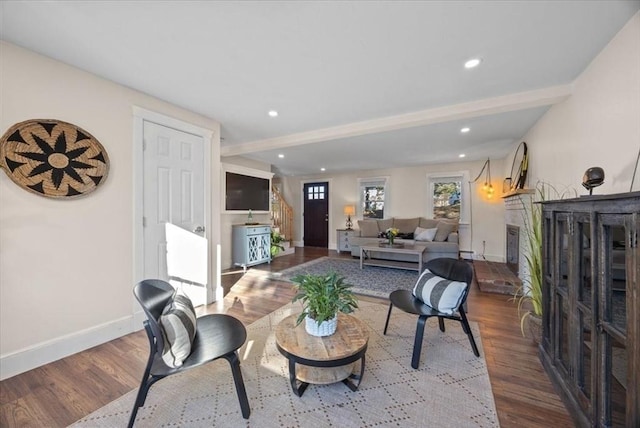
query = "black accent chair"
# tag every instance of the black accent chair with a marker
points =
(218, 336)
(456, 270)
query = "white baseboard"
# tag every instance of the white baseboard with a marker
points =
(489, 258)
(34, 356)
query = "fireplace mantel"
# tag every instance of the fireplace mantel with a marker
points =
(518, 192)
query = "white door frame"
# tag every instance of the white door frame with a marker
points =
(212, 231)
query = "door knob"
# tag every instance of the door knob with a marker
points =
(199, 229)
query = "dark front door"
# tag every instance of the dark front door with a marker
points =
(316, 214)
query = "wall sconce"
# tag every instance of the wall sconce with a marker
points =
(349, 210)
(487, 187)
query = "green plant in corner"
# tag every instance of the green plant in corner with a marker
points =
(529, 295)
(323, 296)
(276, 239)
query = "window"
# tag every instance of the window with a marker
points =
(372, 195)
(447, 193)
(315, 192)
(446, 199)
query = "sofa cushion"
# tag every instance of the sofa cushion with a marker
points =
(441, 247)
(178, 322)
(444, 229)
(368, 228)
(406, 225)
(384, 224)
(441, 294)
(428, 223)
(424, 234)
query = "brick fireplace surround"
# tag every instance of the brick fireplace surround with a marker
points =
(498, 277)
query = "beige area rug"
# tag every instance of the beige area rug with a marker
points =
(451, 387)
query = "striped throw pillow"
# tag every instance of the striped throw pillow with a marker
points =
(441, 294)
(178, 322)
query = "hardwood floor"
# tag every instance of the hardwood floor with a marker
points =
(59, 393)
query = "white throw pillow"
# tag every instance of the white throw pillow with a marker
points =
(441, 294)
(424, 234)
(178, 322)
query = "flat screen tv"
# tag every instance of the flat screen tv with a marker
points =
(244, 193)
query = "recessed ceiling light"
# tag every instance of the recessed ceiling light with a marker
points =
(474, 62)
(461, 155)
(465, 130)
(273, 113)
(323, 169)
(280, 155)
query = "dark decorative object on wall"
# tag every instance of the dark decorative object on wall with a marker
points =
(593, 177)
(521, 157)
(53, 158)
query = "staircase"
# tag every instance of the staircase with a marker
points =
(282, 221)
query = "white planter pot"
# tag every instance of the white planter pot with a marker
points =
(326, 328)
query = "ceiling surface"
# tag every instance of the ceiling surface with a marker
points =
(357, 85)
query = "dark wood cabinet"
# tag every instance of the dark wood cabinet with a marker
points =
(591, 306)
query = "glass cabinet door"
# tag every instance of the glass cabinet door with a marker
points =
(614, 367)
(583, 255)
(560, 300)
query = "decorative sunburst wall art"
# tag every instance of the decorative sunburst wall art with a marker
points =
(53, 158)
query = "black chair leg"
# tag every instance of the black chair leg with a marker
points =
(140, 399)
(234, 361)
(441, 323)
(417, 344)
(386, 324)
(467, 329)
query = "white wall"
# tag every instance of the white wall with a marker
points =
(407, 192)
(66, 266)
(599, 125)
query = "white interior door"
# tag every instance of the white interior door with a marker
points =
(175, 245)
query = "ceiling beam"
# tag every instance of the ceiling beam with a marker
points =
(485, 107)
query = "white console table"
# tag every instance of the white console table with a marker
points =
(251, 244)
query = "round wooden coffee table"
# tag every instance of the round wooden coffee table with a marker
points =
(323, 360)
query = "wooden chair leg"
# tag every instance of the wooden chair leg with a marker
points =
(386, 324)
(417, 344)
(441, 323)
(234, 361)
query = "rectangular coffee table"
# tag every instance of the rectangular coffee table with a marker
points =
(366, 260)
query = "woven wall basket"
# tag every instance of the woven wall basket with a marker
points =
(53, 158)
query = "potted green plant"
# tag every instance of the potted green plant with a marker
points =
(276, 239)
(322, 297)
(529, 295)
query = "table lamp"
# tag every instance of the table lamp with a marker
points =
(349, 210)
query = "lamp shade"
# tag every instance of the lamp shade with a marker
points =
(349, 210)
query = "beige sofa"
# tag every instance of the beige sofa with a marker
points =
(443, 244)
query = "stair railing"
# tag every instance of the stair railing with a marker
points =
(281, 214)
